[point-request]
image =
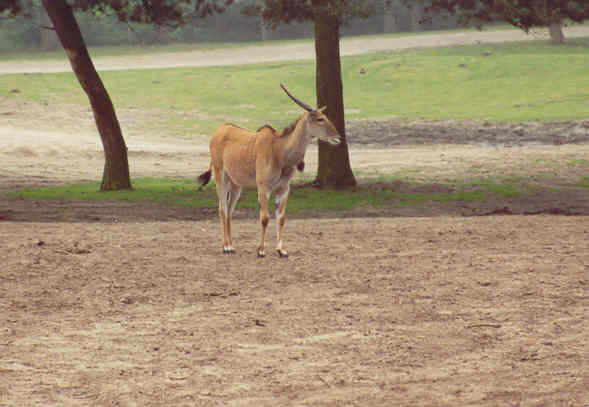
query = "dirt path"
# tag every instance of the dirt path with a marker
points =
(272, 53)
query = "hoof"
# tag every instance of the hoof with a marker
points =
(282, 253)
(228, 250)
(261, 253)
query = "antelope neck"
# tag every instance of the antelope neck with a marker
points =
(292, 148)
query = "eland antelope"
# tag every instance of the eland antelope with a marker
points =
(265, 159)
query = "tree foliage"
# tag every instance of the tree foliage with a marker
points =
(524, 14)
(159, 12)
(286, 11)
(11, 7)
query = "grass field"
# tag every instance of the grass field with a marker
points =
(523, 81)
(181, 192)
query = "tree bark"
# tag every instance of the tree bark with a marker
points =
(334, 161)
(556, 34)
(116, 165)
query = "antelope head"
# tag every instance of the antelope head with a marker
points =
(319, 124)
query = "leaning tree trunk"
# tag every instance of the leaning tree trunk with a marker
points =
(334, 161)
(116, 165)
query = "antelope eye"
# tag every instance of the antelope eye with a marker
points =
(320, 119)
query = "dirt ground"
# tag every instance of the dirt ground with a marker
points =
(112, 304)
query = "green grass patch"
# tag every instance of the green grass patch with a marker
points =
(478, 191)
(166, 191)
(518, 82)
(584, 182)
(522, 81)
(578, 163)
(183, 192)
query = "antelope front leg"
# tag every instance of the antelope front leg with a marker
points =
(263, 196)
(281, 199)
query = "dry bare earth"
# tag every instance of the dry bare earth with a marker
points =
(407, 311)
(118, 304)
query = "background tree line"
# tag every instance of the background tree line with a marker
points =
(26, 31)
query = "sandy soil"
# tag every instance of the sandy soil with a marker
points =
(390, 311)
(108, 303)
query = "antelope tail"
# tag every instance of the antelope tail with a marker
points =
(205, 177)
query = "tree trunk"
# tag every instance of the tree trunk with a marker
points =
(265, 31)
(389, 21)
(556, 34)
(416, 16)
(116, 165)
(334, 161)
(49, 39)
